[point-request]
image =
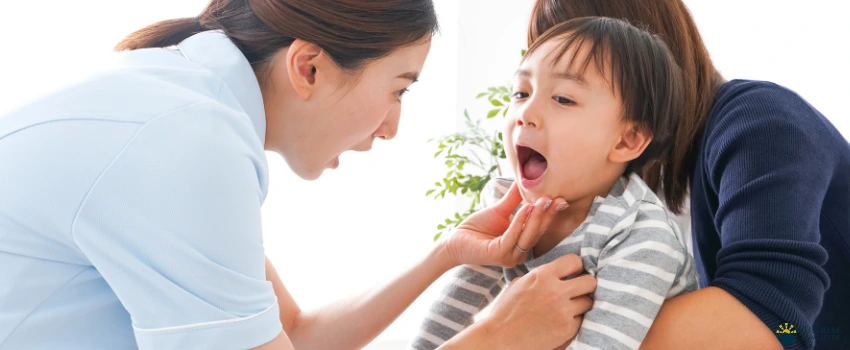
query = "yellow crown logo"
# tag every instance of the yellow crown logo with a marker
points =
(786, 329)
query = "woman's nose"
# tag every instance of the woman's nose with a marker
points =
(389, 128)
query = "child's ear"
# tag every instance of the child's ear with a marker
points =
(302, 65)
(631, 144)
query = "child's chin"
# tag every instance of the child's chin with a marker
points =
(529, 195)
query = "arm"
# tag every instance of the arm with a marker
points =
(634, 278)
(356, 321)
(709, 318)
(770, 172)
(470, 291)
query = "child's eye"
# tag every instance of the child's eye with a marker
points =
(563, 100)
(519, 95)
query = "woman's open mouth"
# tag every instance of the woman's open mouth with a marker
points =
(532, 166)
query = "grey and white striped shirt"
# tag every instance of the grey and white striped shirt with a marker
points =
(629, 241)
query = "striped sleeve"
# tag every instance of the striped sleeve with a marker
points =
(634, 277)
(471, 289)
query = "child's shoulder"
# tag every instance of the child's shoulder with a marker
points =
(646, 214)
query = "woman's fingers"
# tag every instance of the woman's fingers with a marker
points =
(531, 230)
(508, 241)
(551, 208)
(581, 305)
(542, 309)
(529, 225)
(563, 267)
(581, 285)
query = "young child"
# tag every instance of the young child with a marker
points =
(594, 103)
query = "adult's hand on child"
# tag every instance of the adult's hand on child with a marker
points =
(541, 310)
(490, 237)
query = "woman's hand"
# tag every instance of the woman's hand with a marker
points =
(540, 310)
(489, 237)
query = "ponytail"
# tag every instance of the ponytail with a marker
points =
(161, 34)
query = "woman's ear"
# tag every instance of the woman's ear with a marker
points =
(631, 144)
(301, 63)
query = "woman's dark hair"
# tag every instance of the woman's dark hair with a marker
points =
(672, 22)
(636, 63)
(351, 32)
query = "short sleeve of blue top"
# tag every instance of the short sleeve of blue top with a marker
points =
(130, 207)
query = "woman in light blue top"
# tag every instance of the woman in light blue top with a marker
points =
(130, 201)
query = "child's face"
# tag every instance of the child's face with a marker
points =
(562, 127)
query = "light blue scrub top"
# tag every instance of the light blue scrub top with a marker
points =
(130, 207)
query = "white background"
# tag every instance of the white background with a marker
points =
(359, 226)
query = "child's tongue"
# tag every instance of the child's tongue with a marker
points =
(534, 167)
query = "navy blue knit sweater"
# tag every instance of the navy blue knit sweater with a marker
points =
(770, 204)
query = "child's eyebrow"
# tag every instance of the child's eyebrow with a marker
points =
(570, 76)
(579, 80)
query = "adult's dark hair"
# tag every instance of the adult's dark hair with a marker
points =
(351, 32)
(672, 22)
(636, 63)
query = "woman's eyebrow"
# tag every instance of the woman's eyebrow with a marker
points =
(414, 77)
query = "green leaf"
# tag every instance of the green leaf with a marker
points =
(493, 89)
(503, 89)
(438, 153)
(505, 112)
(524, 51)
(438, 184)
(441, 226)
(429, 192)
(492, 113)
(496, 103)
(437, 236)
(481, 95)
(506, 98)
(448, 222)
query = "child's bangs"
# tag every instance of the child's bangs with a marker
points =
(584, 44)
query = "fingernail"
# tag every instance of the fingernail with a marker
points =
(563, 206)
(546, 206)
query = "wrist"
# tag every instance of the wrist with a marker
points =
(442, 258)
(481, 335)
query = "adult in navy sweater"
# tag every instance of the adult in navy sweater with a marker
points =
(768, 178)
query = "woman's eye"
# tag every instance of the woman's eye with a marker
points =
(401, 92)
(563, 100)
(519, 95)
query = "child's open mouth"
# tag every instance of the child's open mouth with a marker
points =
(532, 166)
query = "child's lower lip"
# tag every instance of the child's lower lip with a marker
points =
(526, 183)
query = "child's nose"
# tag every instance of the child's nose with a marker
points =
(528, 119)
